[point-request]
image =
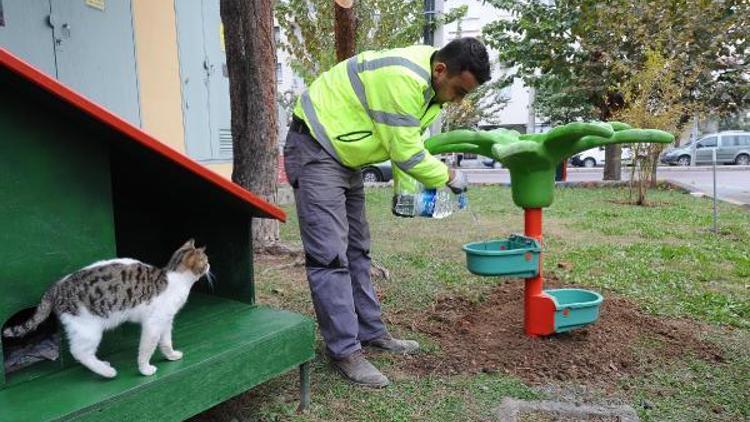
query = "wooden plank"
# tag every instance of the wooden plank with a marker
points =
(55, 202)
(159, 207)
(73, 101)
(229, 347)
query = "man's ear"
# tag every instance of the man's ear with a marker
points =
(440, 68)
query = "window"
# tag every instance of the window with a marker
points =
(729, 141)
(736, 140)
(707, 143)
(276, 35)
(279, 73)
(505, 93)
(429, 6)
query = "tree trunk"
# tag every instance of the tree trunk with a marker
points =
(654, 166)
(251, 62)
(344, 30)
(612, 163)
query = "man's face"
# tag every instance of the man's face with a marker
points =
(451, 88)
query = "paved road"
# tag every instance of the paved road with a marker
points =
(732, 182)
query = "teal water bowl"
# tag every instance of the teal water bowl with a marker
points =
(574, 308)
(516, 256)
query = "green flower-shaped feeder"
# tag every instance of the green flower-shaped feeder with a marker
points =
(532, 160)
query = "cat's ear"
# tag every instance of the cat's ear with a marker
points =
(189, 244)
(202, 249)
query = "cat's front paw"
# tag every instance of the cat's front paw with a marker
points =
(174, 355)
(148, 370)
(107, 371)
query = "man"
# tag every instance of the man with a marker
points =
(370, 108)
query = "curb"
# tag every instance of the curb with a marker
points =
(285, 195)
(664, 169)
(511, 410)
(692, 190)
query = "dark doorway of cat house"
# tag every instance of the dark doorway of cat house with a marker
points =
(39, 345)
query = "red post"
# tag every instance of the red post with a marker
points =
(532, 219)
(539, 309)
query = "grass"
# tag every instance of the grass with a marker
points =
(663, 257)
(430, 399)
(693, 390)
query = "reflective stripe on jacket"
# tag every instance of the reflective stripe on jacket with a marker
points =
(375, 106)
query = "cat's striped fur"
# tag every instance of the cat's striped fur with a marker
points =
(105, 294)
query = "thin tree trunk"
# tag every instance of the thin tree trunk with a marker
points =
(251, 62)
(633, 182)
(654, 166)
(344, 30)
(644, 171)
(612, 163)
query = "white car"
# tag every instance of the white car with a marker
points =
(595, 157)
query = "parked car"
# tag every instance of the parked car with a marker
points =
(451, 159)
(489, 162)
(595, 157)
(380, 172)
(732, 147)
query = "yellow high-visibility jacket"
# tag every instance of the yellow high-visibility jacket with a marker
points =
(375, 106)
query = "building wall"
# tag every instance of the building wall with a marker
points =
(287, 80)
(155, 32)
(159, 71)
(479, 14)
(159, 74)
(224, 169)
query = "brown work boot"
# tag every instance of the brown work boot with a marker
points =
(358, 370)
(392, 345)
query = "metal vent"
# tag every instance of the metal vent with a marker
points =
(225, 142)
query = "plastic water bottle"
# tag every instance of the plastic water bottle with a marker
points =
(412, 199)
(429, 203)
(445, 204)
(404, 205)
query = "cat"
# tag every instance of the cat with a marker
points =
(107, 293)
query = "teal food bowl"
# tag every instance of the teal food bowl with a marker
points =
(516, 256)
(574, 308)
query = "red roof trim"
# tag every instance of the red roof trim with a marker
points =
(100, 113)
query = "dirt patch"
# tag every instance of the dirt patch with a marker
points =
(489, 337)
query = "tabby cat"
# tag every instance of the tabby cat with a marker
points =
(107, 293)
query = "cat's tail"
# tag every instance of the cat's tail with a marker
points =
(43, 311)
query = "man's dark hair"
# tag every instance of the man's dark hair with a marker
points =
(466, 54)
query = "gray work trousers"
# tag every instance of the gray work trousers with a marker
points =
(330, 201)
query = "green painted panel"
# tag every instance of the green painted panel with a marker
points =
(55, 202)
(229, 347)
(55, 199)
(158, 206)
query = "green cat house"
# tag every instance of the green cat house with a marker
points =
(78, 184)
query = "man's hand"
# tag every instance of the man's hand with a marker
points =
(457, 182)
